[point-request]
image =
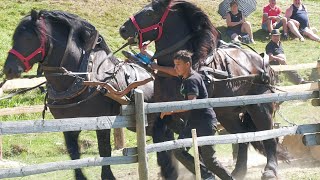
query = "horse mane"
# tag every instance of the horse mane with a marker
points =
(205, 35)
(77, 23)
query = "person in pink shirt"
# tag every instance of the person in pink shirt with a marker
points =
(272, 18)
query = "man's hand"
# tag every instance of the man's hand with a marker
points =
(154, 66)
(165, 114)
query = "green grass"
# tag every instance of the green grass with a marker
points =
(108, 16)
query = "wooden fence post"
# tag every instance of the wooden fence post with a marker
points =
(196, 154)
(119, 138)
(141, 134)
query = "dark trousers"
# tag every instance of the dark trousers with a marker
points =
(207, 155)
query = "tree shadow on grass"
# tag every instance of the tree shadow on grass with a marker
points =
(261, 35)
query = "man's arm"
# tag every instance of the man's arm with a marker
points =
(190, 97)
(280, 58)
(289, 12)
(168, 70)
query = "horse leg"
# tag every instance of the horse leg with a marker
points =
(270, 170)
(104, 146)
(240, 169)
(229, 119)
(165, 159)
(261, 115)
(71, 139)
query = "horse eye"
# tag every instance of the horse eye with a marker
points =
(149, 12)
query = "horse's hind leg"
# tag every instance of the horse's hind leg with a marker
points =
(165, 159)
(240, 169)
(104, 145)
(229, 119)
(71, 139)
(262, 118)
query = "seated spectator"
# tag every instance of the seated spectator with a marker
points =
(298, 21)
(276, 56)
(237, 25)
(272, 18)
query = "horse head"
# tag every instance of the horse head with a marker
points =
(45, 37)
(53, 39)
(173, 25)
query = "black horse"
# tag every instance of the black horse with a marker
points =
(178, 24)
(63, 43)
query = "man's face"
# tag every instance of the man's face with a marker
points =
(272, 2)
(297, 2)
(234, 8)
(181, 67)
(275, 38)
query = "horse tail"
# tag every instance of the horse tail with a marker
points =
(282, 153)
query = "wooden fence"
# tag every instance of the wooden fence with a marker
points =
(135, 115)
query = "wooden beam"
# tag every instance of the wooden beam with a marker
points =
(130, 151)
(311, 139)
(65, 165)
(222, 102)
(119, 138)
(293, 67)
(21, 110)
(141, 134)
(22, 83)
(228, 139)
(67, 124)
(222, 139)
(308, 128)
(299, 88)
(196, 154)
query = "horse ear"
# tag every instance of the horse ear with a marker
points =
(34, 15)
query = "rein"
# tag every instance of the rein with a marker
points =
(158, 26)
(172, 48)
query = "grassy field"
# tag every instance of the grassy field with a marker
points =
(107, 16)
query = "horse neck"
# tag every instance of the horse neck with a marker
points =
(64, 53)
(175, 29)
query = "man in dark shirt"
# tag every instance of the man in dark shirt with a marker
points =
(298, 21)
(203, 120)
(276, 56)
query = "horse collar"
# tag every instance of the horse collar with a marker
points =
(158, 26)
(41, 49)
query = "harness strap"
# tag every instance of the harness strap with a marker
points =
(158, 26)
(22, 91)
(60, 106)
(172, 48)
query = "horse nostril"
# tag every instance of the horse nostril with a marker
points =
(123, 30)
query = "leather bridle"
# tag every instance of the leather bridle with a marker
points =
(41, 49)
(158, 26)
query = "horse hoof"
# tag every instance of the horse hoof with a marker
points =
(268, 175)
(238, 175)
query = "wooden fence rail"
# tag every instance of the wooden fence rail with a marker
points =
(228, 139)
(67, 124)
(221, 102)
(66, 165)
(294, 67)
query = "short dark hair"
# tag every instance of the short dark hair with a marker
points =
(233, 3)
(183, 55)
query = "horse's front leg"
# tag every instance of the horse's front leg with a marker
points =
(71, 139)
(241, 165)
(165, 159)
(104, 145)
(271, 168)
